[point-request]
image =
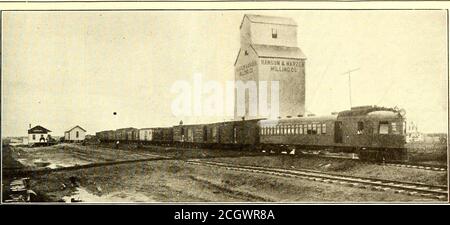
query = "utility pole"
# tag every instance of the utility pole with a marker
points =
(350, 83)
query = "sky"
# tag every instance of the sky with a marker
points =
(61, 69)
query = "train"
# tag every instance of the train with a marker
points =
(374, 133)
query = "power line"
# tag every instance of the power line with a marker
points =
(350, 83)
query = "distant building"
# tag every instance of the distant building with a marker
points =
(38, 134)
(269, 52)
(435, 138)
(412, 133)
(75, 134)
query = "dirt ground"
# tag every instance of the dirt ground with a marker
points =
(173, 180)
(67, 155)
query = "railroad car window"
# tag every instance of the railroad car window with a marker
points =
(274, 33)
(314, 129)
(360, 127)
(394, 128)
(300, 129)
(285, 129)
(319, 128)
(295, 129)
(214, 132)
(309, 131)
(324, 128)
(383, 128)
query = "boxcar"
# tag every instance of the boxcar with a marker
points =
(212, 135)
(178, 134)
(162, 135)
(101, 136)
(247, 133)
(238, 134)
(125, 134)
(146, 134)
(111, 135)
(199, 135)
(195, 134)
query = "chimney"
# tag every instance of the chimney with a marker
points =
(29, 126)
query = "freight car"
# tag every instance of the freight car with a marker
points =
(374, 133)
(146, 135)
(163, 136)
(230, 135)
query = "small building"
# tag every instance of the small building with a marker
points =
(75, 134)
(38, 134)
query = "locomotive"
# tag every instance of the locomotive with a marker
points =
(372, 132)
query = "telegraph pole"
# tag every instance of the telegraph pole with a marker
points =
(350, 83)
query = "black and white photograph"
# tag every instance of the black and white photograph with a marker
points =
(224, 106)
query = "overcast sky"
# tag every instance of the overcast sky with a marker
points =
(61, 69)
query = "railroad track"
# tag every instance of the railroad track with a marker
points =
(417, 189)
(419, 166)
